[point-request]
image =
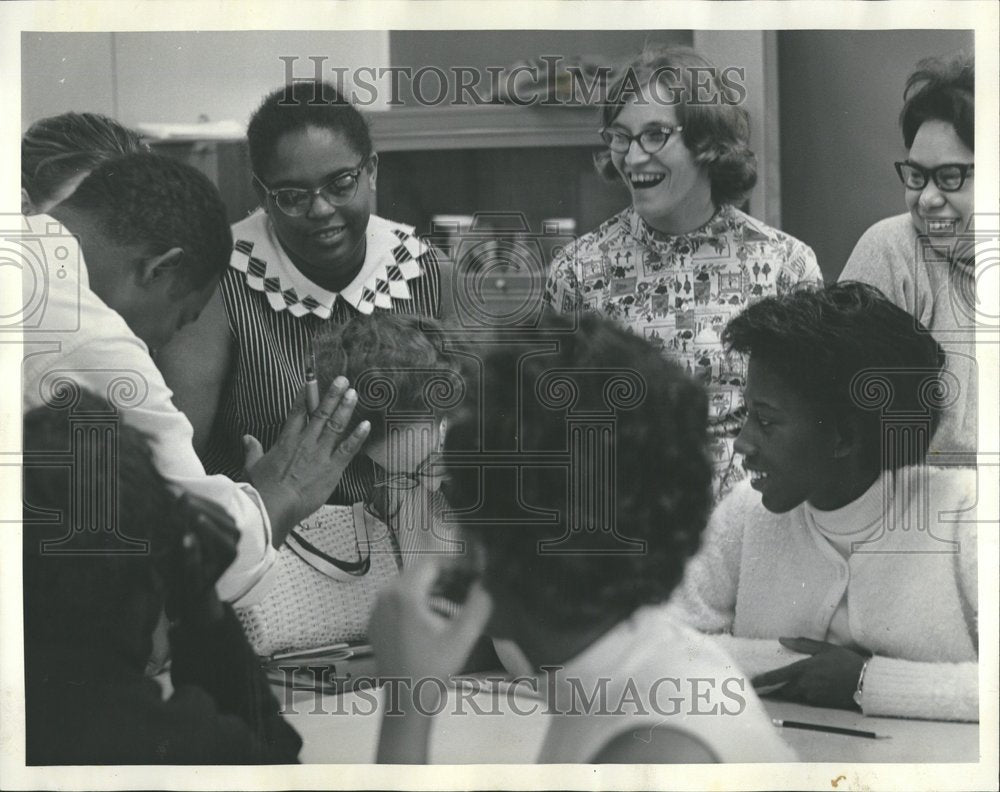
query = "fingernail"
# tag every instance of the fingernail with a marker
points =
(364, 426)
(351, 395)
(340, 383)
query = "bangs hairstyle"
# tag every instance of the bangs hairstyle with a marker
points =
(942, 89)
(716, 132)
(299, 106)
(817, 341)
(156, 203)
(56, 149)
(645, 418)
(397, 363)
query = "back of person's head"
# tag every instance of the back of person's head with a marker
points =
(941, 89)
(57, 149)
(848, 351)
(716, 126)
(299, 106)
(98, 587)
(397, 363)
(621, 519)
(156, 203)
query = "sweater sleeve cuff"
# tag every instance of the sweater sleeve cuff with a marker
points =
(910, 689)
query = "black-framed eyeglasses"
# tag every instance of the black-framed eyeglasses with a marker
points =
(296, 201)
(650, 140)
(947, 178)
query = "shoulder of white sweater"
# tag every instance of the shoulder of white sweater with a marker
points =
(741, 513)
(892, 231)
(889, 243)
(946, 488)
(733, 508)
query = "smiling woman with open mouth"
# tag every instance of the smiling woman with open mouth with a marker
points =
(682, 259)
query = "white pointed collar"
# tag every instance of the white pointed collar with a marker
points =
(392, 258)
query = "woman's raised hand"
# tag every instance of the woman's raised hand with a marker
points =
(296, 476)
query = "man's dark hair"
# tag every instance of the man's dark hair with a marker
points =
(298, 106)
(847, 350)
(657, 489)
(159, 203)
(87, 591)
(942, 89)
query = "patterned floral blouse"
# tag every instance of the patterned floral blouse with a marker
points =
(680, 291)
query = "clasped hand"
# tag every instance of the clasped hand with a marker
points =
(827, 679)
(296, 476)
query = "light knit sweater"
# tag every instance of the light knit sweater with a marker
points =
(910, 589)
(920, 280)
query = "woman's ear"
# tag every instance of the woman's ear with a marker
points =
(847, 438)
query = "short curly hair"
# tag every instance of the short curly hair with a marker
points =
(717, 132)
(56, 149)
(398, 364)
(818, 342)
(158, 203)
(942, 89)
(650, 429)
(299, 106)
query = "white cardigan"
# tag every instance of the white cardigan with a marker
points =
(911, 591)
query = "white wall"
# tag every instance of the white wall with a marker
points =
(178, 77)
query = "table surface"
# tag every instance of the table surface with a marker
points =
(344, 729)
(901, 739)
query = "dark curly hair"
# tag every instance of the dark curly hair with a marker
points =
(158, 203)
(56, 149)
(397, 363)
(298, 106)
(92, 592)
(849, 351)
(942, 89)
(717, 132)
(612, 392)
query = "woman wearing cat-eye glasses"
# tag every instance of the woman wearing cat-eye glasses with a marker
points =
(924, 260)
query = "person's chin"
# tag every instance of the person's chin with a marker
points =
(777, 503)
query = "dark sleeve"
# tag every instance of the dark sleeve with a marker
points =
(216, 658)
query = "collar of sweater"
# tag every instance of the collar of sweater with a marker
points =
(862, 515)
